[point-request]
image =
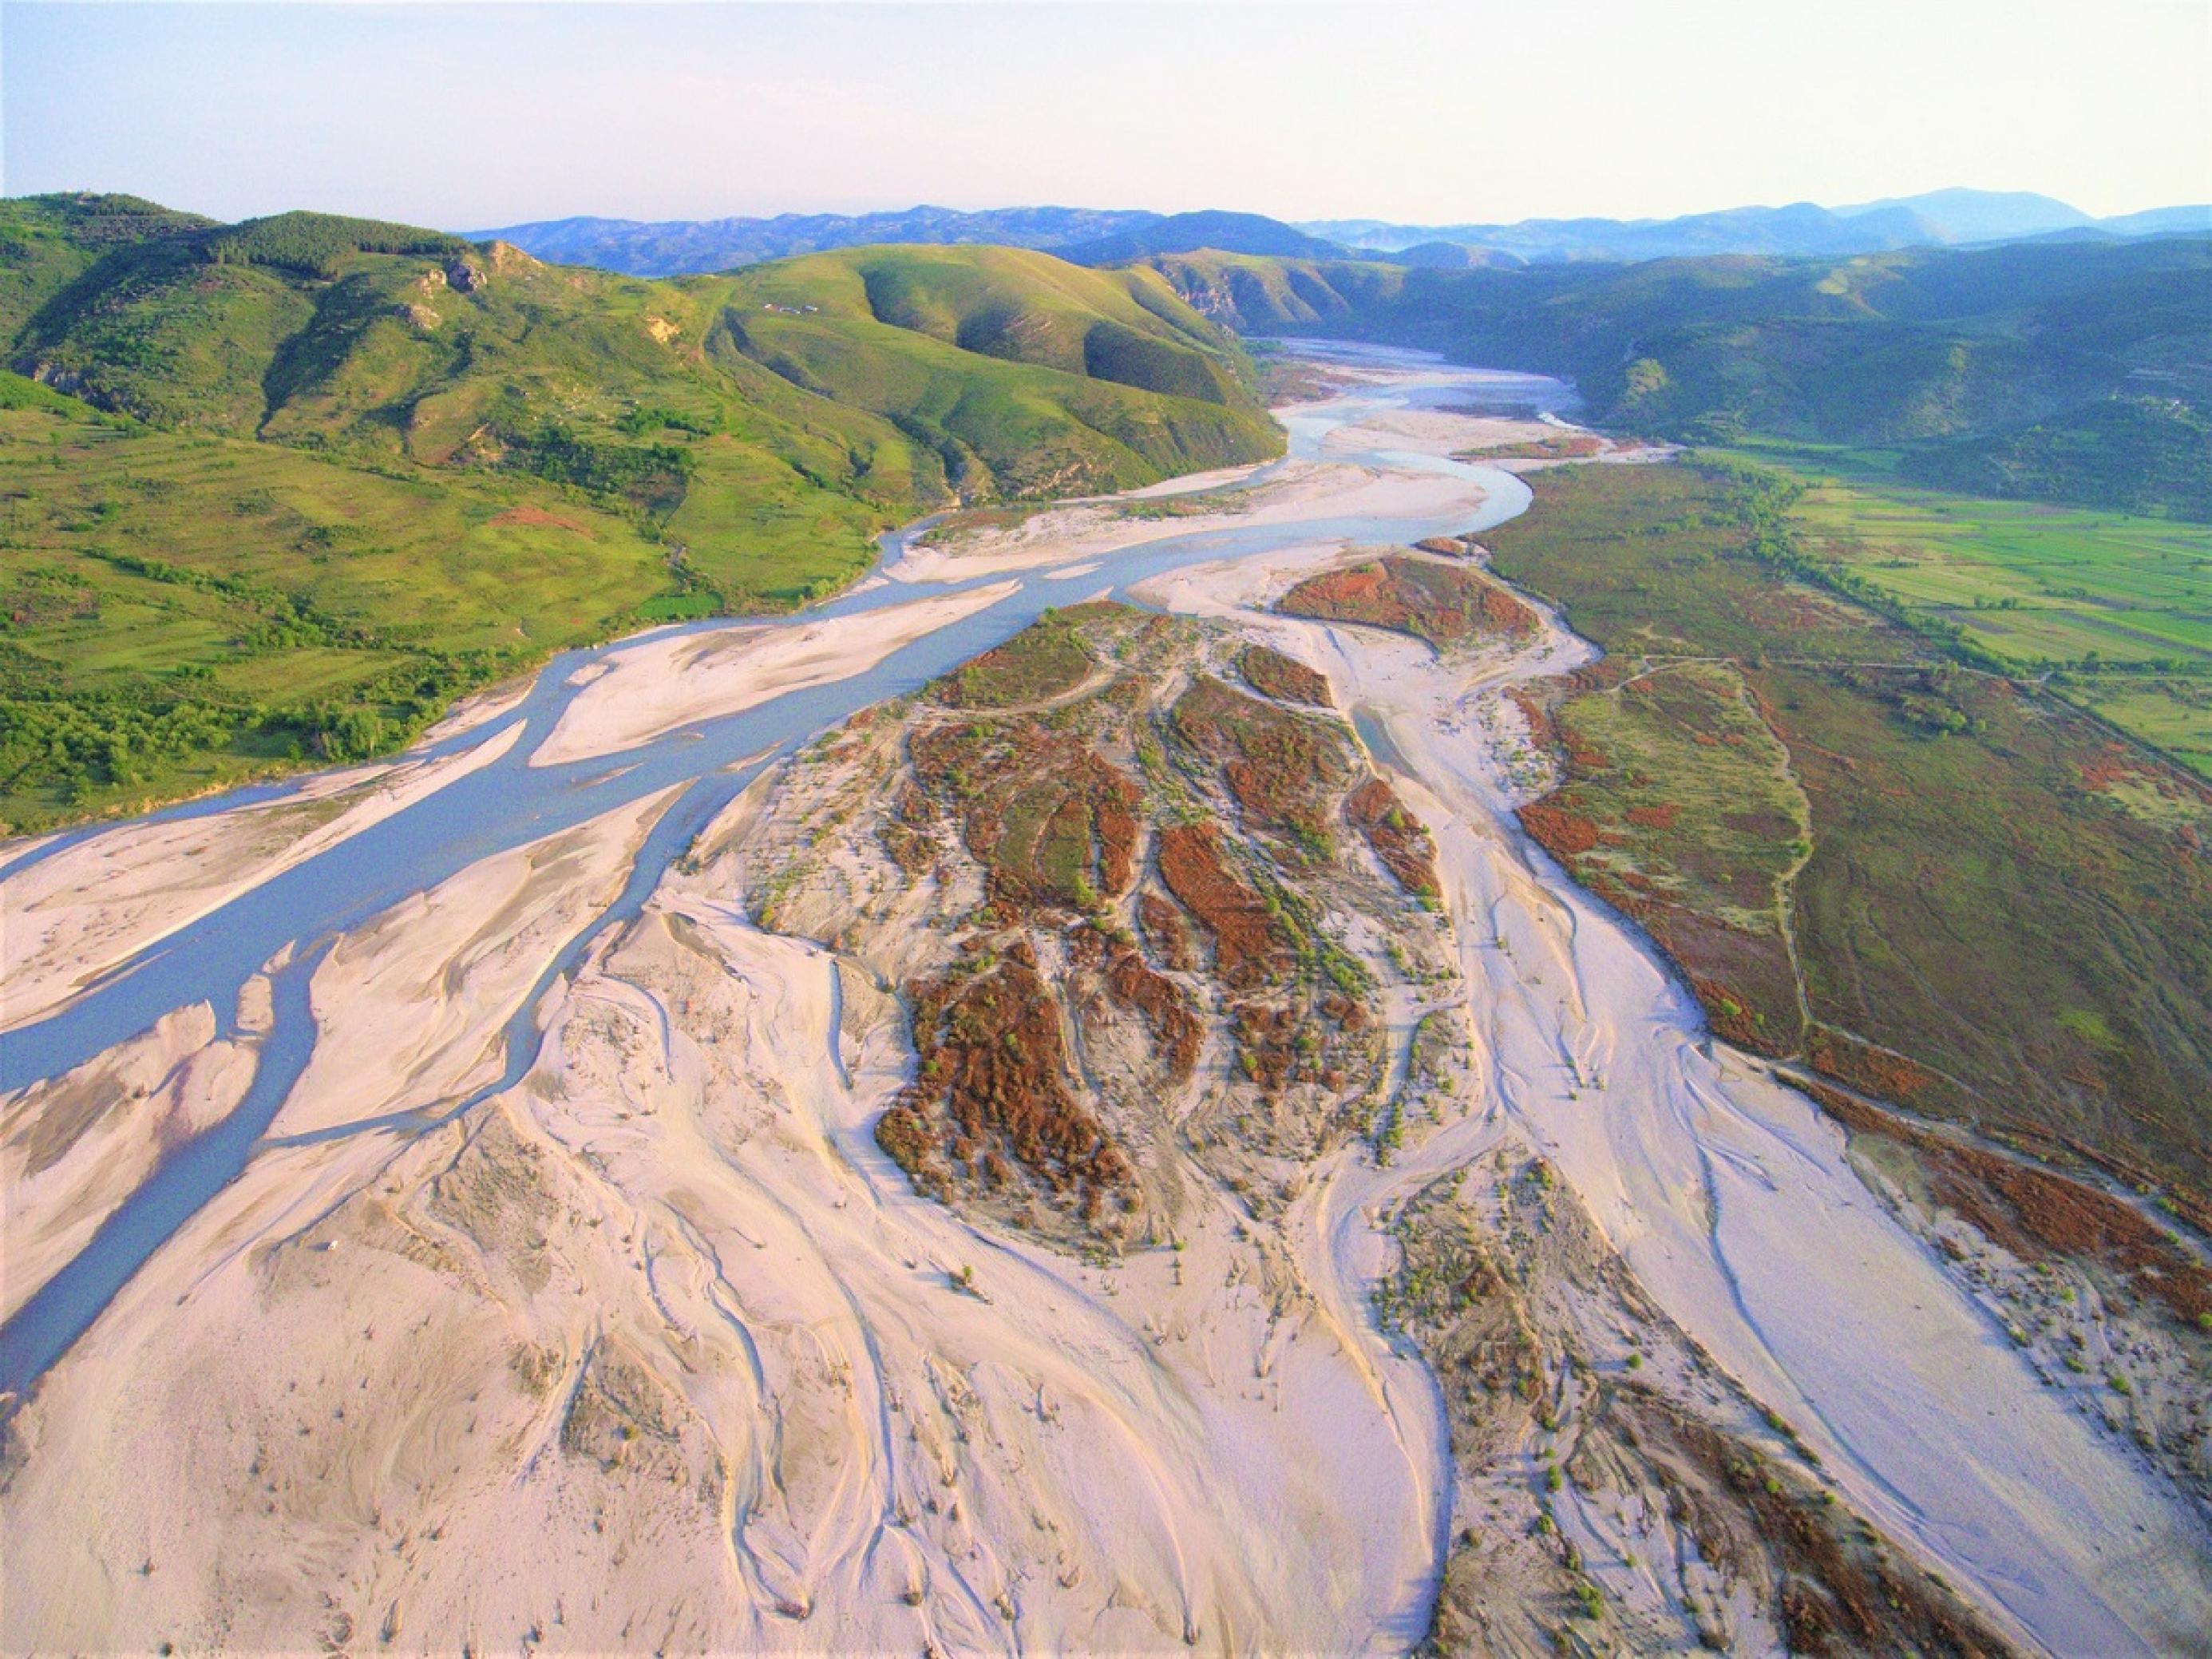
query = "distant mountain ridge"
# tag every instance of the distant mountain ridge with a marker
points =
(1940, 218)
(1187, 233)
(1112, 236)
(689, 247)
(1082, 235)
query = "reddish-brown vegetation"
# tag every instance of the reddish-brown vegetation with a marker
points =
(1557, 447)
(1862, 1065)
(1445, 604)
(537, 518)
(1165, 1007)
(1730, 1015)
(1745, 981)
(1267, 1044)
(1284, 770)
(1271, 674)
(1249, 949)
(1007, 1110)
(1542, 732)
(1044, 660)
(1400, 840)
(1557, 831)
(993, 1081)
(904, 831)
(2033, 1213)
(1051, 819)
(1166, 931)
(1836, 1594)
(2112, 764)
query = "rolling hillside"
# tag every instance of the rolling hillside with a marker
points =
(670, 247)
(382, 340)
(1083, 235)
(2044, 370)
(722, 443)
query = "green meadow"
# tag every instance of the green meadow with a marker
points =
(2114, 609)
(180, 612)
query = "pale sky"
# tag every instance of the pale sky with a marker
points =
(467, 117)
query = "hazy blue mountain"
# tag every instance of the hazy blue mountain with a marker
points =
(1979, 216)
(680, 246)
(1085, 236)
(1108, 236)
(2193, 221)
(1186, 233)
(1453, 256)
(1800, 229)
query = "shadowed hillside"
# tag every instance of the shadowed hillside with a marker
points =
(2051, 371)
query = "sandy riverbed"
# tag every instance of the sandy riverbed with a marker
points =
(681, 679)
(79, 912)
(809, 1435)
(656, 1347)
(1090, 530)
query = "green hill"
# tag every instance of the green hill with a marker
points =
(901, 376)
(2138, 454)
(2065, 372)
(458, 459)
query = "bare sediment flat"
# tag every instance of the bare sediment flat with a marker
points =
(1295, 491)
(633, 1336)
(643, 691)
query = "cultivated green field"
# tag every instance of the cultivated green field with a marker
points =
(2171, 713)
(2114, 609)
